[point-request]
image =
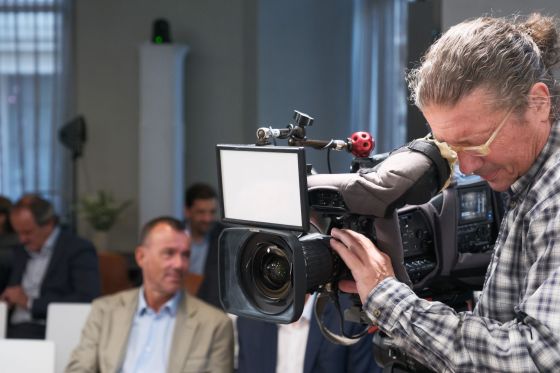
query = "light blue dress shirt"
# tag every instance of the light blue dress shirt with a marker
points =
(199, 253)
(32, 279)
(150, 337)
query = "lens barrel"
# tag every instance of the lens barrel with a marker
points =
(319, 261)
(266, 273)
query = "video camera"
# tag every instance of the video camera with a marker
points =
(439, 239)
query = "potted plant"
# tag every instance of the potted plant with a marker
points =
(101, 211)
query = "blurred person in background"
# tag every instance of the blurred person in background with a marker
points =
(8, 240)
(158, 327)
(201, 208)
(300, 347)
(50, 265)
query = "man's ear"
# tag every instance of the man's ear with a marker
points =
(539, 101)
(187, 213)
(139, 255)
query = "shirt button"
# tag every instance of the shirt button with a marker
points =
(376, 312)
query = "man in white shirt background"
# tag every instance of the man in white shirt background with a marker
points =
(300, 347)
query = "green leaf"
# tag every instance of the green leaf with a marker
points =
(101, 210)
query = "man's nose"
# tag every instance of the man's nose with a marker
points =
(469, 164)
(178, 261)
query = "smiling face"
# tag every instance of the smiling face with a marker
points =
(472, 121)
(164, 259)
(201, 215)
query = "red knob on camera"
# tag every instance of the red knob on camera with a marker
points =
(362, 144)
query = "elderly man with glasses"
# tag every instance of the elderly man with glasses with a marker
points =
(486, 81)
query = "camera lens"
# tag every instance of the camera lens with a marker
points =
(275, 270)
(271, 272)
(268, 272)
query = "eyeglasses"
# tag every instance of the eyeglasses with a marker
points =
(478, 150)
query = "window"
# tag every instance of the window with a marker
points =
(33, 78)
(379, 94)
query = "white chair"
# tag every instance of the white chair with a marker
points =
(64, 327)
(3, 319)
(26, 356)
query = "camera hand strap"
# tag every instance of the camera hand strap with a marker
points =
(320, 304)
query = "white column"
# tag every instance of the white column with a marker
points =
(161, 135)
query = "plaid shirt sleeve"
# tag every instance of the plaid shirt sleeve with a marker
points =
(447, 341)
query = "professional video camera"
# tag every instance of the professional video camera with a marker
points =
(439, 239)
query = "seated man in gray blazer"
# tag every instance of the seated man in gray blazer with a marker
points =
(157, 328)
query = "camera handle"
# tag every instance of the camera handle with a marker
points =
(360, 144)
(389, 241)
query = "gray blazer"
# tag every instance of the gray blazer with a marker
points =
(202, 339)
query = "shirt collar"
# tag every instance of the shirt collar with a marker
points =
(48, 246)
(206, 236)
(170, 307)
(551, 146)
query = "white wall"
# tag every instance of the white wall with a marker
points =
(251, 62)
(219, 78)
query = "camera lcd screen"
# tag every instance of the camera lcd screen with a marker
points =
(474, 205)
(263, 186)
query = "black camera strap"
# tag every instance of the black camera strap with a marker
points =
(323, 299)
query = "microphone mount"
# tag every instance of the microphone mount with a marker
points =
(360, 144)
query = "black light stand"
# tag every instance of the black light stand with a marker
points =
(73, 136)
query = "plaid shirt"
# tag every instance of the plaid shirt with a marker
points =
(515, 327)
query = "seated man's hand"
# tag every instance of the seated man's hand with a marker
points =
(15, 296)
(368, 264)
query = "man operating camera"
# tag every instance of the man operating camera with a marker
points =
(486, 89)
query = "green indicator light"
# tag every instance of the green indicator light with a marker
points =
(159, 40)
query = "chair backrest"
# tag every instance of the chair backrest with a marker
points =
(3, 319)
(65, 322)
(113, 269)
(192, 282)
(26, 356)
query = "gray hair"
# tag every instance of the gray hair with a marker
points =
(505, 56)
(174, 223)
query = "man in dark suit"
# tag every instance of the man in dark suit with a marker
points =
(262, 349)
(8, 240)
(201, 206)
(51, 266)
(209, 288)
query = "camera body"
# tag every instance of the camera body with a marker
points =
(275, 254)
(448, 242)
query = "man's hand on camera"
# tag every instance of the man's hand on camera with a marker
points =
(368, 264)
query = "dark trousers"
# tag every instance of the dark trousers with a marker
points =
(26, 330)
